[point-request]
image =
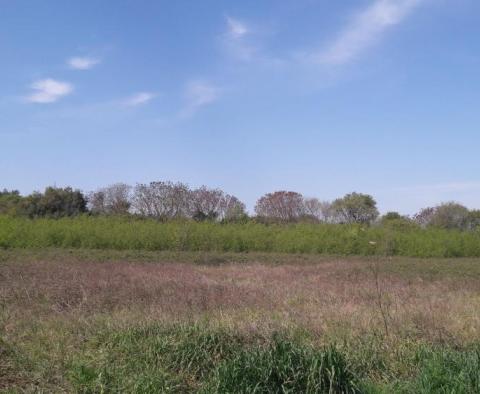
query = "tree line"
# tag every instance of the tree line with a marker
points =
(167, 201)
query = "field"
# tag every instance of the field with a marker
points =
(85, 320)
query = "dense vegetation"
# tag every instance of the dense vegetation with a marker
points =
(122, 233)
(197, 359)
(168, 201)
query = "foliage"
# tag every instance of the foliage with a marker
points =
(9, 201)
(391, 216)
(356, 208)
(450, 215)
(124, 233)
(54, 202)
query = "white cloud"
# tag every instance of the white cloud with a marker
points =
(82, 63)
(49, 90)
(364, 30)
(140, 98)
(199, 94)
(236, 29)
(235, 40)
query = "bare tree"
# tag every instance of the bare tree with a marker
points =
(111, 200)
(232, 208)
(163, 200)
(319, 210)
(285, 206)
(207, 203)
(424, 217)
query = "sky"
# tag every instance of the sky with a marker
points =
(317, 96)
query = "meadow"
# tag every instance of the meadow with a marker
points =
(130, 233)
(104, 321)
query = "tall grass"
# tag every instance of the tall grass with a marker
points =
(143, 234)
(193, 358)
(190, 358)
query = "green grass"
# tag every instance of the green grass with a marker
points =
(149, 235)
(191, 358)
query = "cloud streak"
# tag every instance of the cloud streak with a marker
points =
(199, 94)
(82, 63)
(236, 29)
(48, 91)
(140, 99)
(235, 40)
(365, 29)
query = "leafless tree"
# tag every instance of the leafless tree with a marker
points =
(319, 210)
(285, 206)
(163, 200)
(232, 208)
(425, 216)
(207, 203)
(111, 200)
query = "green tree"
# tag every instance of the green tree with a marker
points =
(473, 220)
(355, 208)
(450, 215)
(54, 202)
(9, 201)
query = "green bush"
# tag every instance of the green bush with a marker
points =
(123, 233)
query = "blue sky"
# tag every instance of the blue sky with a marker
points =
(318, 96)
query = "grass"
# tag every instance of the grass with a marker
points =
(197, 359)
(114, 233)
(93, 321)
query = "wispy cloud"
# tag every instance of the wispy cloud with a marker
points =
(365, 29)
(236, 29)
(82, 63)
(235, 40)
(49, 90)
(199, 94)
(139, 99)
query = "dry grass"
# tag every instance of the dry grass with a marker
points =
(322, 297)
(55, 304)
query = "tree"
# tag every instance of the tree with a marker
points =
(232, 209)
(284, 206)
(55, 202)
(391, 216)
(163, 200)
(111, 200)
(355, 208)
(450, 215)
(424, 217)
(207, 203)
(473, 221)
(318, 210)
(9, 201)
